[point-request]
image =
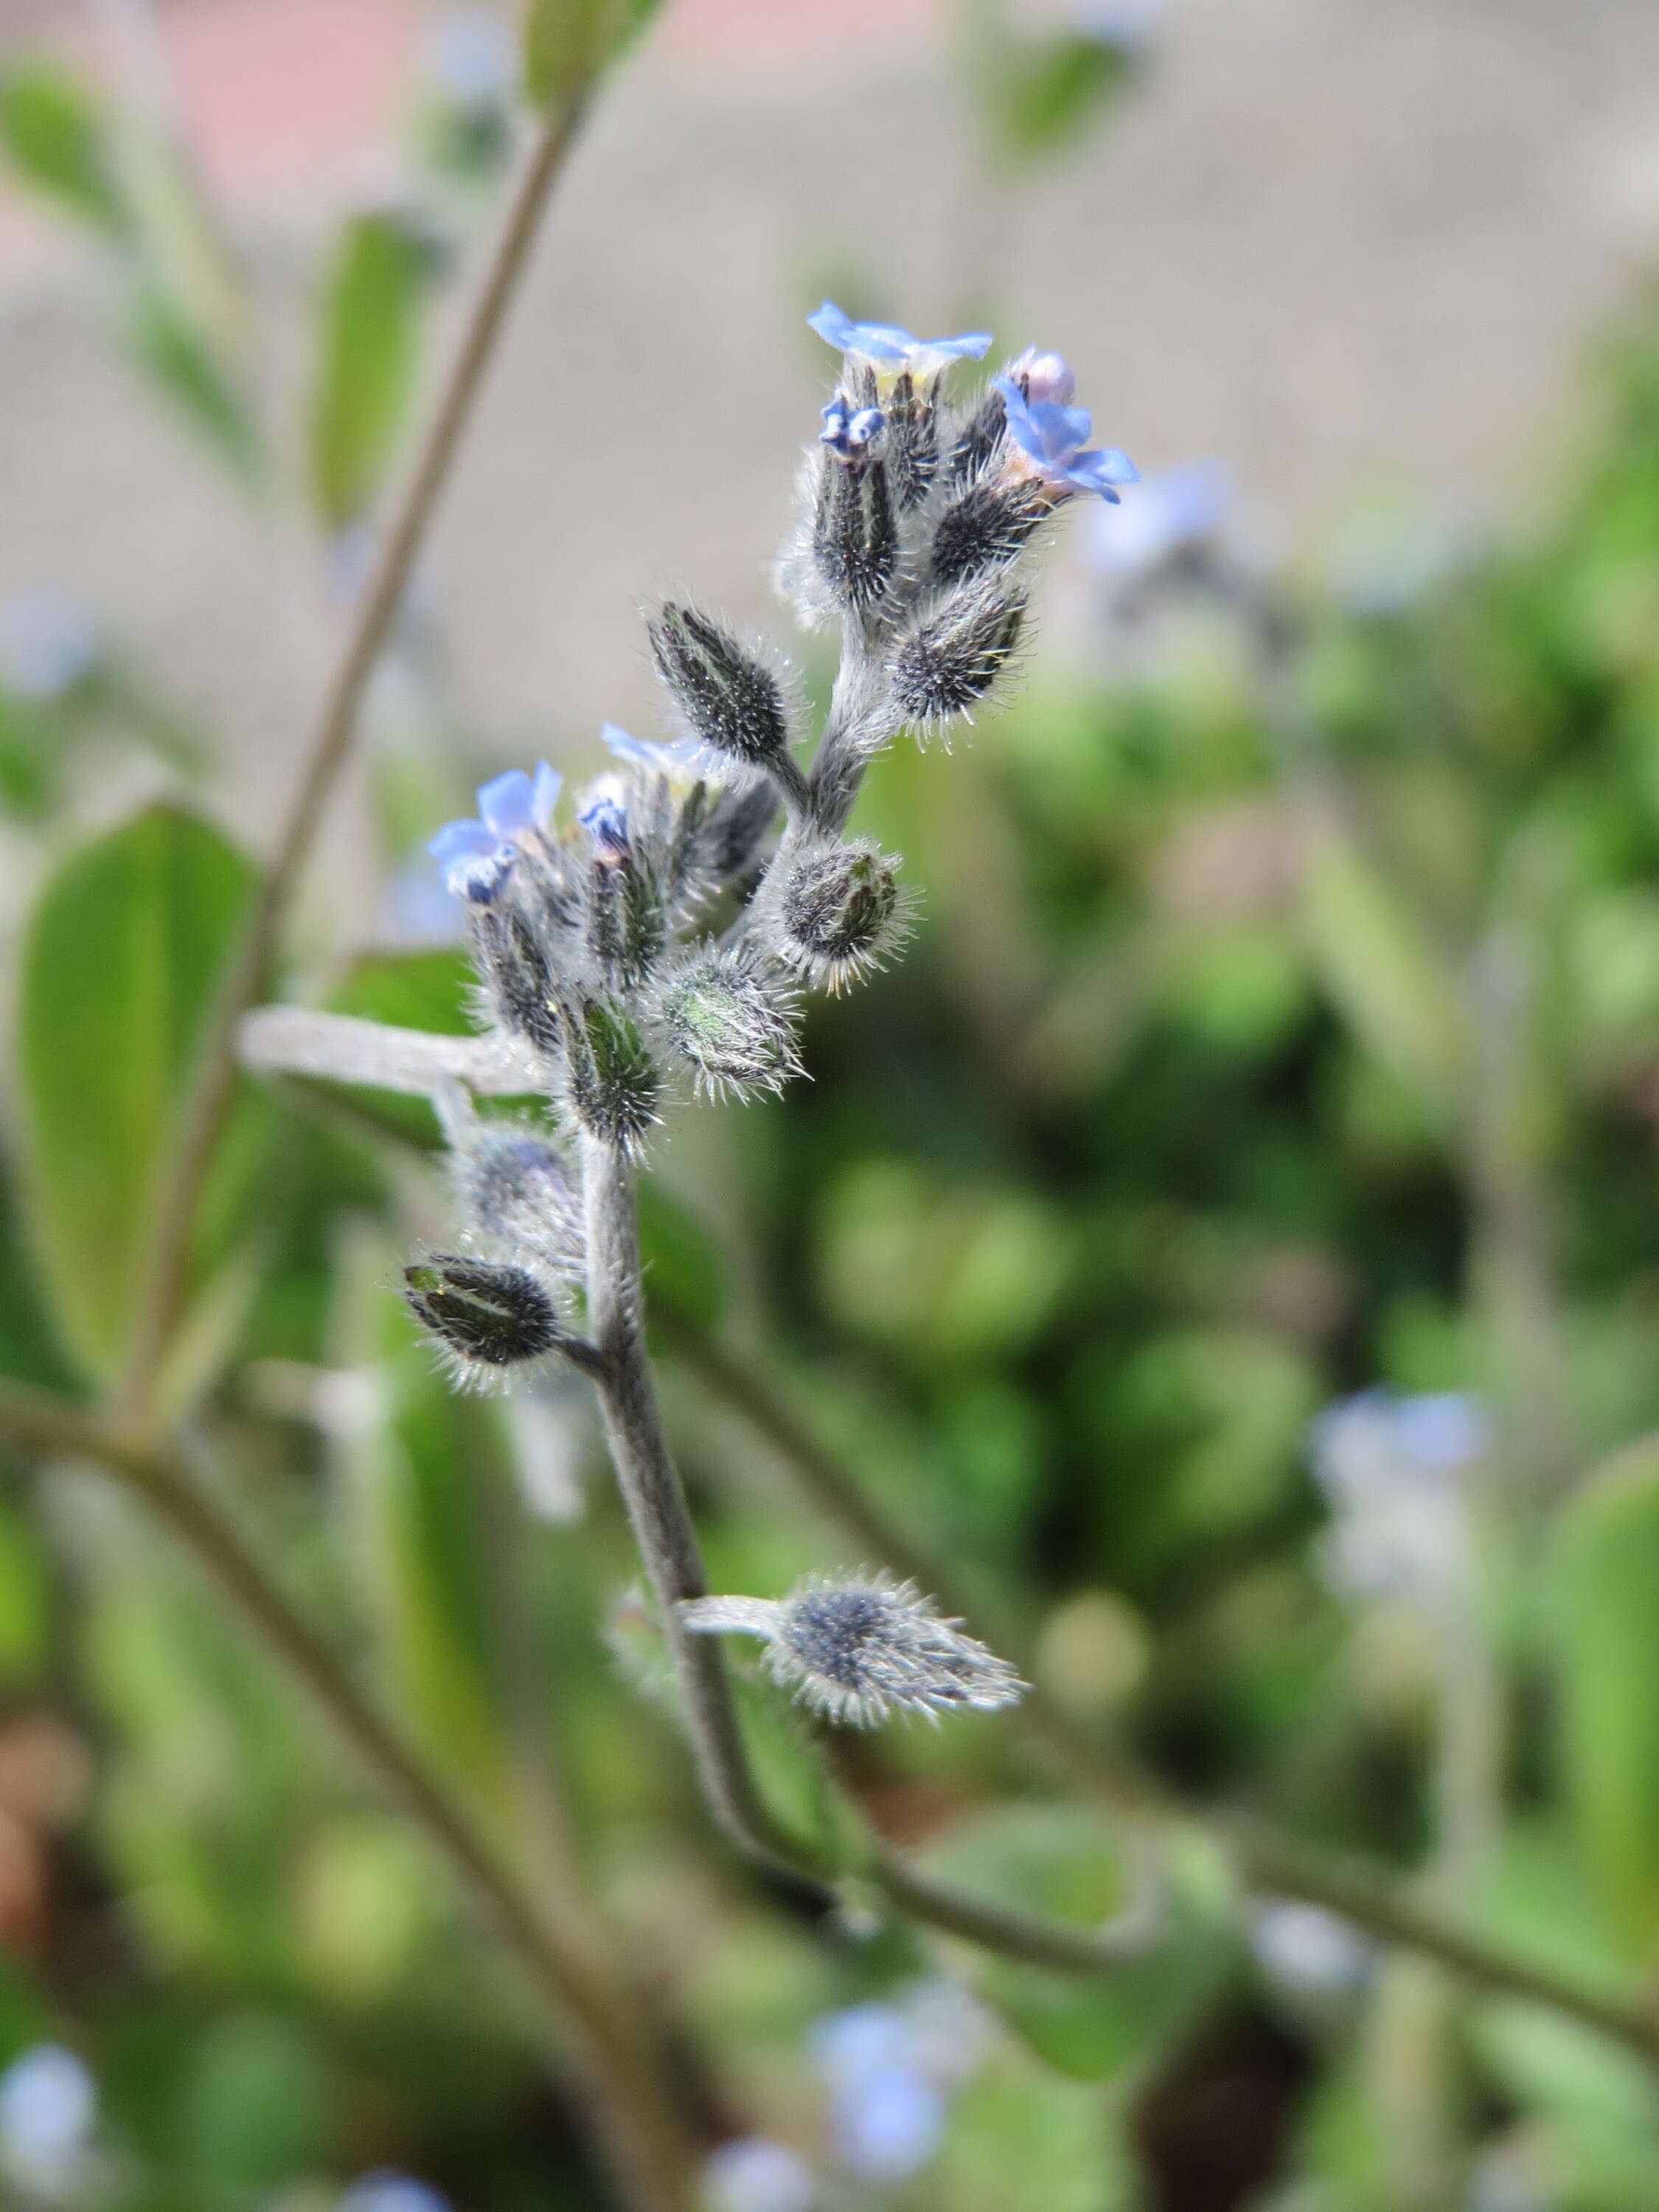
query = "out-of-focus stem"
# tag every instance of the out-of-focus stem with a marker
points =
(555, 1939)
(214, 1080)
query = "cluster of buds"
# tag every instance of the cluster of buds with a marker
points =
(663, 931)
(659, 932)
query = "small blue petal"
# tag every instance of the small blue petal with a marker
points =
(967, 345)
(474, 858)
(1112, 466)
(831, 323)
(507, 803)
(545, 796)
(891, 341)
(606, 824)
(462, 841)
(627, 747)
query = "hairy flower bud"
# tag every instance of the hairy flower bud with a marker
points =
(612, 1080)
(953, 657)
(840, 913)
(855, 534)
(731, 702)
(487, 1318)
(911, 451)
(977, 439)
(626, 921)
(517, 976)
(515, 1192)
(730, 1023)
(858, 1649)
(989, 526)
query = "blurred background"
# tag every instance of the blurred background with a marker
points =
(1228, 1237)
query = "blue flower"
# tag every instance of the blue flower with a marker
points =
(386, 2192)
(1123, 26)
(886, 2116)
(681, 757)
(47, 2107)
(889, 350)
(605, 820)
(48, 643)
(1176, 508)
(476, 855)
(1051, 436)
(848, 430)
(752, 2174)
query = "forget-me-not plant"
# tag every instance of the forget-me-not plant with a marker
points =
(649, 941)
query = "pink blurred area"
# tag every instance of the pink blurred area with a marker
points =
(284, 96)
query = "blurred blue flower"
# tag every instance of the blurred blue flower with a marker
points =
(475, 855)
(1124, 25)
(848, 430)
(1162, 514)
(680, 758)
(1389, 1466)
(419, 910)
(471, 58)
(886, 2125)
(1311, 1952)
(886, 2116)
(386, 2192)
(48, 2102)
(1052, 436)
(605, 820)
(890, 348)
(755, 2175)
(48, 642)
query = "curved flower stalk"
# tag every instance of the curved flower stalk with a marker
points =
(652, 937)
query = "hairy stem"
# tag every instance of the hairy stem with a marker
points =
(655, 1502)
(214, 1082)
(1392, 1909)
(557, 1941)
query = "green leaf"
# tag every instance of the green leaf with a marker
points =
(184, 364)
(1049, 92)
(120, 964)
(1607, 1573)
(57, 140)
(369, 357)
(1060, 1861)
(567, 42)
(683, 1265)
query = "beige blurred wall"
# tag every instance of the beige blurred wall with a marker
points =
(1341, 244)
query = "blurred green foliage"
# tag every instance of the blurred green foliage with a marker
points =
(1281, 1024)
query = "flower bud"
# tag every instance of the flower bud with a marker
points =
(518, 976)
(855, 535)
(975, 443)
(611, 1077)
(841, 912)
(733, 1028)
(859, 1649)
(912, 448)
(731, 702)
(986, 528)
(953, 657)
(488, 1317)
(626, 923)
(515, 1192)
